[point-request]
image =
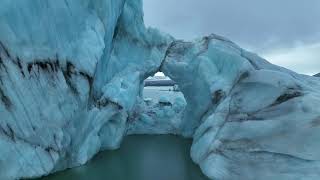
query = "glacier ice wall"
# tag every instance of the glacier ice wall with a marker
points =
(249, 119)
(70, 73)
(71, 81)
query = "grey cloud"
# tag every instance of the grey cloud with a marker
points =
(252, 23)
(262, 26)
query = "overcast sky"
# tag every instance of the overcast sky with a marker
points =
(286, 32)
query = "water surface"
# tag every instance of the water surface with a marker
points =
(155, 92)
(141, 157)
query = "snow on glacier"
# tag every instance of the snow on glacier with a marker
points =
(71, 84)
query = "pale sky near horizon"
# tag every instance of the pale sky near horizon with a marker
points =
(285, 32)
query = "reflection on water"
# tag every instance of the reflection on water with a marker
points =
(141, 157)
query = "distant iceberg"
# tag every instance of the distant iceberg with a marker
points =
(159, 81)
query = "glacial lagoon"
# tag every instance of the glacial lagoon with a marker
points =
(140, 157)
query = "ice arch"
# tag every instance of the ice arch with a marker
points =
(241, 103)
(71, 77)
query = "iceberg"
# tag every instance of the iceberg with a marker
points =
(71, 80)
(248, 119)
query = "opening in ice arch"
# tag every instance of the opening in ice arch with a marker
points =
(161, 89)
(162, 108)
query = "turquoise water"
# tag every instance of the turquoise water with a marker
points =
(141, 157)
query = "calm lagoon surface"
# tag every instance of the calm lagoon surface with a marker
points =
(140, 157)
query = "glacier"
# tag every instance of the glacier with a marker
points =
(71, 80)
